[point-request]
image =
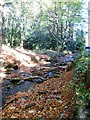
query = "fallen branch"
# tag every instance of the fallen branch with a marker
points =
(11, 101)
(30, 105)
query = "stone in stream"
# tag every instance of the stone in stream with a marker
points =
(66, 67)
(6, 82)
(21, 77)
(38, 80)
(26, 74)
(68, 58)
(50, 74)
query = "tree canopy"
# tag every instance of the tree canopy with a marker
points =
(41, 24)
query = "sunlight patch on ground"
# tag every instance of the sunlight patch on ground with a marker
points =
(24, 58)
(44, 62)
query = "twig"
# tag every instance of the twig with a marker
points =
(9, 102)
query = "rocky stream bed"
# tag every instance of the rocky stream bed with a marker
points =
(41, 93)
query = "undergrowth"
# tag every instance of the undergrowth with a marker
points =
(81, 82)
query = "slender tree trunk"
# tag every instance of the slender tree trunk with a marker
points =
(57, 41)
(11, 38)
(62, 37)
(1, 31)
(22, 27)
(61, 29)
(57, 27)
(1, 40)
(71, 31)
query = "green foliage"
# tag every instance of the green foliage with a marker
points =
(81, 67)
(81, 81)
(82, 97)
(82, 92)
(80, 70)
(78, 44)
(50, 27)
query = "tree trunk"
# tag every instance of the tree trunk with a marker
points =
(1, 31)
(1, 40)
(11, 38)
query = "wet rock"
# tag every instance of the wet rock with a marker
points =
(38, 80)
(50, 74)
(25, 74)
(6, 82)
(68, 58)
(63, 67)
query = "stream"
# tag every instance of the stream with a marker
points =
(10, 88)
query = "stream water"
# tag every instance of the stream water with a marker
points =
(10, 88)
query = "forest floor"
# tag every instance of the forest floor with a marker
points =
(49, 98)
